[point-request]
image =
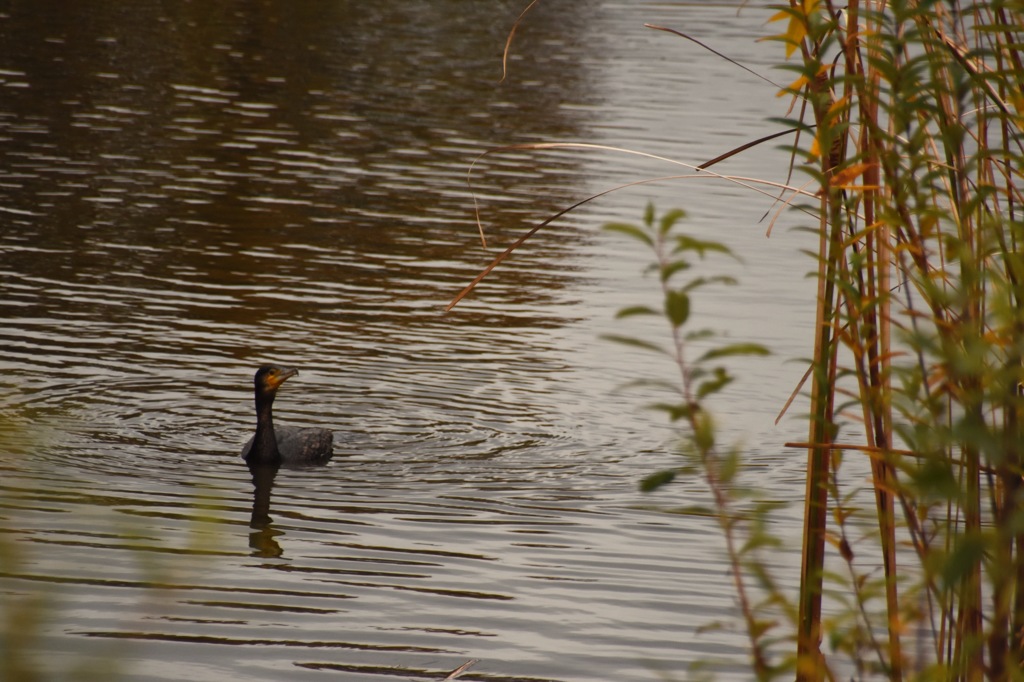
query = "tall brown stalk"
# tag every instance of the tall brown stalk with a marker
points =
(907, 113)
(911, 125)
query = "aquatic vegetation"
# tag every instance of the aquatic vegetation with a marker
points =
(908, 121)
(911, 121)
(701, 376)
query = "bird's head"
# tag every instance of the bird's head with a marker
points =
(270, 377)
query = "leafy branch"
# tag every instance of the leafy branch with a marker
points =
(698, 380)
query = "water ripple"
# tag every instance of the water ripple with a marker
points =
(283, 186)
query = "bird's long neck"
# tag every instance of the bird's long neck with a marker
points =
(264, 446)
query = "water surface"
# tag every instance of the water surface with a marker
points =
(189, 191)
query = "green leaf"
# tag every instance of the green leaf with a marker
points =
(701, 334)
(761, 626)
(935, 479)
(630, 231)
(661, 384)
(636, 343)
(677, 307)
(760, 541)
(672, 268)
(715, 626)
(733, 350)
(675, 411)
(721, 380)
(669, 220)
(687, 243)
(635, 310)
(968, 553)
(698, 372)
(701, 281)
(702, 511)
(728, 466)
(656, 480)
(649, 214)
(703, 431)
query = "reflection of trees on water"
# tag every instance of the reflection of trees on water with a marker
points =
(345, 126)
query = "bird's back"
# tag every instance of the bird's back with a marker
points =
(300, 445)
(304, 446)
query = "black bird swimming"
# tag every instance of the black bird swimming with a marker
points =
(283, 444)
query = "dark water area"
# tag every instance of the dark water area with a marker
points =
(191, 189)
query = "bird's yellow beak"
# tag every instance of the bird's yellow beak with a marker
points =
(280, 376)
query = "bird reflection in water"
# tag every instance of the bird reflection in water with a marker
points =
(263, 536)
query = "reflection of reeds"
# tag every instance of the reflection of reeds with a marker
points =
(42, 597)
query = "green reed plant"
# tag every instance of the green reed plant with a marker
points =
(700, 376)
(910, 127)
(912, 114)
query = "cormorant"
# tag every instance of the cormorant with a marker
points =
(283, 444)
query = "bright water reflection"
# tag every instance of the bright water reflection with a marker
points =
(188, 191)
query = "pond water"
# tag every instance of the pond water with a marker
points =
(189, 190)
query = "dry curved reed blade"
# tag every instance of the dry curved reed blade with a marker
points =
(462, 668)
